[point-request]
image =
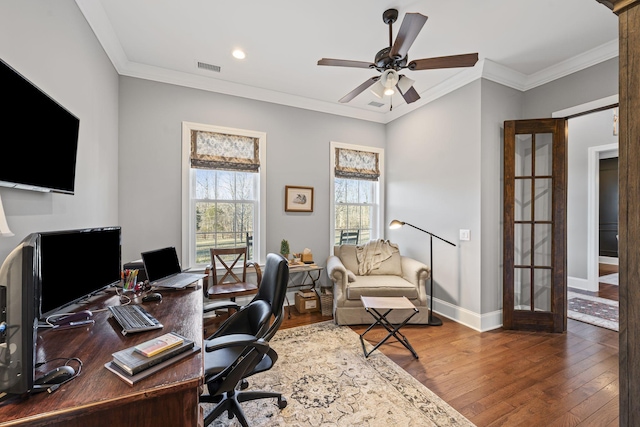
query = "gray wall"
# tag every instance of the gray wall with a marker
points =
(499, 103)
(52, 45)
(585, 131)
(298, 153)
(433, 182)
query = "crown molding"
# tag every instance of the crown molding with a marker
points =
(99, 23)
(587, 59)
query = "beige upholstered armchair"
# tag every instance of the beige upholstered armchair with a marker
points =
(353, 276)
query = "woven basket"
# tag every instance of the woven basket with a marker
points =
(326, 301)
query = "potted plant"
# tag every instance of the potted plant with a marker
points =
(284, 248)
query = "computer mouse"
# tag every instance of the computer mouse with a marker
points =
(56, 376)
(154, 296)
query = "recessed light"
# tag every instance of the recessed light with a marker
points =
(239, 54)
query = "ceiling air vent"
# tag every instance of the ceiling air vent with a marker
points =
(376, 104)
(209, 67)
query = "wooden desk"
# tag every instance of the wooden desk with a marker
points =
(97, 397)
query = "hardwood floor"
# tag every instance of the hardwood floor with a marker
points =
(509, 378)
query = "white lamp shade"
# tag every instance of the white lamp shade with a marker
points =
(404, 84)
(378, 89)
(4, 227)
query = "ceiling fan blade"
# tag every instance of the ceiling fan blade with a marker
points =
(411, 26)
(410, 96)
(357, 91)
(453, 61)
(345, 63)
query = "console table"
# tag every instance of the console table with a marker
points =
(300, 276)
(97, 397)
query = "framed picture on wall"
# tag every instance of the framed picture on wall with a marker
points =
(298, 199)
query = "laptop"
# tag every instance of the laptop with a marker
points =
(163, 269)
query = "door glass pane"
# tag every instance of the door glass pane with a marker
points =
(542, 200)
(523, 155)
(522, 244)
(542, 289)
(522, 208)
(543, 153)
(522, 289)
(542, 245)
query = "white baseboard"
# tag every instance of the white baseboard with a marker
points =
(479, 322)
(608, 260)
(578, 283)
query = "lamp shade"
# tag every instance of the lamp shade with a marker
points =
(378, 89)
(404, 84)
(4, 227)
(395, 224)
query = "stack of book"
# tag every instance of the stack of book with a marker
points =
(135, 363)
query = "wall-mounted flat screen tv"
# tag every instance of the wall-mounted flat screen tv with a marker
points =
(39, 138)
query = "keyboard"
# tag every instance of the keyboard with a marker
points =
(134, 318)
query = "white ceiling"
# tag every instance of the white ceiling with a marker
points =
(521, 43)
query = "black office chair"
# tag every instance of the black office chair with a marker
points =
(240, 348)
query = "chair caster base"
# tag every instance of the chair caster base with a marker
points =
(282, 402)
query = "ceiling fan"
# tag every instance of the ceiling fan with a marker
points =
(394, 58)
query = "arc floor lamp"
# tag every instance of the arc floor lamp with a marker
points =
(433, 320)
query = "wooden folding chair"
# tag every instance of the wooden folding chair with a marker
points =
(229, 285)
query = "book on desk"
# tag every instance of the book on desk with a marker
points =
(131, 365)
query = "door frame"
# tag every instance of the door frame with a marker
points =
(593, 196)
(593, 214)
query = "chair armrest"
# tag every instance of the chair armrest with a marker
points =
(227, 341)
(220, 305)
(256, 267)
(414, 271)
(337, 271)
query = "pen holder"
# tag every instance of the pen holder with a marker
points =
(130, 280)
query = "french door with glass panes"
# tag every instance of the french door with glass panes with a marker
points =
(535, 200)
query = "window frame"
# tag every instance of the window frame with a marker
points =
(188, 201)
(377, 226)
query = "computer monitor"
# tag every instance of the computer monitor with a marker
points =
(19, 275)
(75, 264)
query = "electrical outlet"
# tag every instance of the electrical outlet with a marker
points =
(465, 235)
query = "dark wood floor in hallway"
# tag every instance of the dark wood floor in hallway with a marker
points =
(508, 378)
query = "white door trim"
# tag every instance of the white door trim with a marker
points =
(593, 216)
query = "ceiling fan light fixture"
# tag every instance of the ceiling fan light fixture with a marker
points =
(389, 91)
(378, 89)
(238, 54)
(404, 84)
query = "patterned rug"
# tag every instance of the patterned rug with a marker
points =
(327, 382)
(594, 310)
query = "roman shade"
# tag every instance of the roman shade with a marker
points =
(357, 164)
(214, 150)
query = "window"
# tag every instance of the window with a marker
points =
(223, 184)
(357, 193)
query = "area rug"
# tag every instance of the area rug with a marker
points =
(594, 310)
(611, 279)
(322, 372)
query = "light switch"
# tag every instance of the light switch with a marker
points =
(465, 235)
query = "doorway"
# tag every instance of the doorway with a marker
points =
(591, 138)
